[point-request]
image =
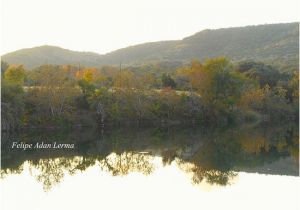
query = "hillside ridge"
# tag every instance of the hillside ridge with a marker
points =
(256, 42)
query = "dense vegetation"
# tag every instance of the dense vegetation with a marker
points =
(276, 44)
(212, 92)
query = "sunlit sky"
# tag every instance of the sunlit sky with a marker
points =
(105, 25)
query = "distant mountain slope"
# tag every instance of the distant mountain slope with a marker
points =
(263, 42)
(33, 57)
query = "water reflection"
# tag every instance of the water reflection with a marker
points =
(211, 155)
(128, 162)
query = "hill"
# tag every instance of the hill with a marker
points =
(274, 43)
(33, 57)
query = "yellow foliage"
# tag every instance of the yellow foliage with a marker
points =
(90, 75)
(15, 74)
(255, 144)
(125, 79)
(199, 77)
(251, 97)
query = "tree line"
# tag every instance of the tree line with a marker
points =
(215, 91)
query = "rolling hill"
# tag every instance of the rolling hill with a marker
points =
(36, 56)
(270, 42)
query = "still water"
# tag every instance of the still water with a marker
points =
(250, 167)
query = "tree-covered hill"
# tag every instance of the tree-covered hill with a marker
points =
(34, 57)
(275, 43)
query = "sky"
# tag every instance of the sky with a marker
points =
(105, 25)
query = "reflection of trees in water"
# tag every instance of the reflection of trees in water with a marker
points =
(82, 163)
(214, 161)
(211, 176)
(8, 171)
(263, 141)
(294, 146)
(211, 157)
(127, 162)
(51, 171)
(168, 156)
(255, 144)
(284, 141)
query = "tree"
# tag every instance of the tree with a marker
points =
(56, 92)
(293, 88)
(15, 74)
(4, 66)
(265, 74)
(124, 79)
(215, 81)
(167, 81)
(219, 86)
(86, 87)
(12, 105)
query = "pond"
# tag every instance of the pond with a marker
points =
(247, 167)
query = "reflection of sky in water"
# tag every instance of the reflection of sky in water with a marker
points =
(167, 187)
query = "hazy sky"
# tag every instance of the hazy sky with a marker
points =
(105, 25)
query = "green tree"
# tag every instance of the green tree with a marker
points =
(167, 81)
(15, 74)
(55, 94)
(4, 66)
(265, 74)
(12, 105)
